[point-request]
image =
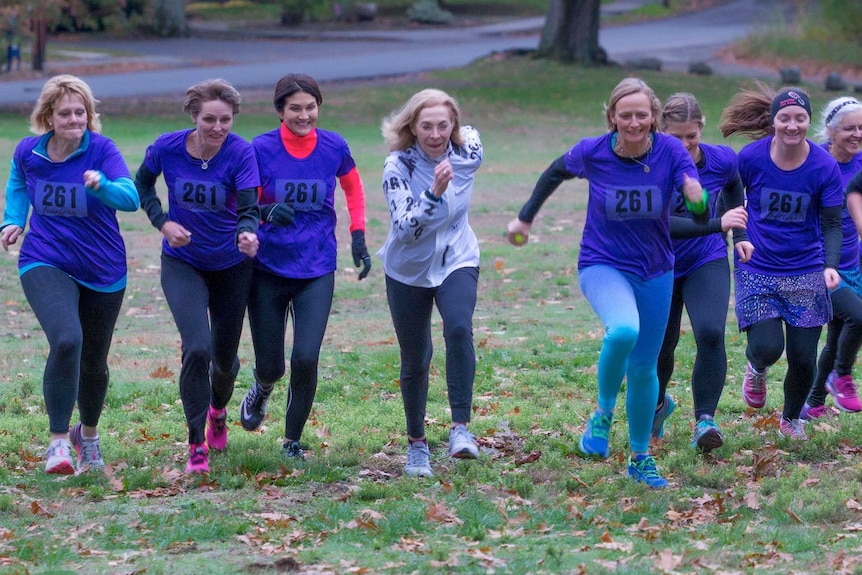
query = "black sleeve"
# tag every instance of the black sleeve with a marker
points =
(682, 228)
(732, 196)
(830, 224)
(145, 182)
(548, 182)
(247, 211)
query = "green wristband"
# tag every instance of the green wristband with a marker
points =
(699, 207)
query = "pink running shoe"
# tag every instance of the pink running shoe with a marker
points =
(809, 413)
(217, 428)
(792, 429)
(754, 387)
(843, 391)
(199, 459)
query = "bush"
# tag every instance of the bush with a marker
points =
(844, 18)
(428, 12)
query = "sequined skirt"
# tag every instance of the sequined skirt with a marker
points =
(799, 300)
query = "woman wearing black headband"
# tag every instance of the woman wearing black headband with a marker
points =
(794, 194)
(842, 135)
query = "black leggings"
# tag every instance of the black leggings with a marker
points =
(308, 301)
(411, 308)
(208, 308)
(843, 338)
(705, 294)
(765, 345)
(78, 323)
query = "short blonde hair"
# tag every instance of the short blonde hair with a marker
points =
(397, 127)
(54, 90)
(627, 87)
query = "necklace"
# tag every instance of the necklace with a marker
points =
(618, 150)
(204, 163)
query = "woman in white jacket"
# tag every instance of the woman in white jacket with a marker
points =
(432, 256)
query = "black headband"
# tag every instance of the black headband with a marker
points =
(837, 108)
(790, 98)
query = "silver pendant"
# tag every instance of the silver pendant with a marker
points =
(646, 169)
(205, 165)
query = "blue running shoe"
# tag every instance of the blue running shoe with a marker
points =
(667, 407)
(707, 435)
(596, 438)
(643, 470)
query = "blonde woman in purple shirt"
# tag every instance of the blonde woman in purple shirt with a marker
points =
(794, 201)
(625, 265)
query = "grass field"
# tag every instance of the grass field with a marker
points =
(530, 504)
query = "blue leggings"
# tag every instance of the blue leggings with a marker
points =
(634, 313)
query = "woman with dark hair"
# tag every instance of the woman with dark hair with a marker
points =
(701, 271)
(625, 264)
(72, 262)
(294, 273)
(209, 239)
(794, 201)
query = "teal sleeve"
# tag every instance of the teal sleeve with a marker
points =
(17, 202)
(120, 194)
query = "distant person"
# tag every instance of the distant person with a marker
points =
(625, 264)
(701, 271)
(294, 273)
(840, 135)
(794, 202)
(72, 261)
(431, 256)
(13, 56)
(210, 238)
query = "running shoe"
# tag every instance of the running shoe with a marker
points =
(707, 435)
(462, 444)
(643, 470)
(253, 409)
(596, 438)
(663, 412)
(418, 460)
(843, 391)
(292, 449)
(89, 454)
(216, 428)
(792, 429)
(754, 387)
(809, 413)
(59, 458)
(199, 459)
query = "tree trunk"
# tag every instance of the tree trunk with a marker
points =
(571, 32)
(169, 17)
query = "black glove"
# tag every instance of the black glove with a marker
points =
(280, 214)
(360, 253)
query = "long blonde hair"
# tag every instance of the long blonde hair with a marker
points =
(397, 127)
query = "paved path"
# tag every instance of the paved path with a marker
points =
(257, 62)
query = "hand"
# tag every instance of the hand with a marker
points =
(832, 278)
(744, 251)
(280, 214)
(360, 253)
(10, 235)
(518, 232)
(247, 243)
(176, 234)
(692, 189)
(93, 179)
(442, 176)
(737, 218)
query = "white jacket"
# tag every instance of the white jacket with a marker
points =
(430, 239)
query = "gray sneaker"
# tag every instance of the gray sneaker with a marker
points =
(418, 460)
(462, 444)
(89, 454)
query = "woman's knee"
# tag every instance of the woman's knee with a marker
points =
(622, 336)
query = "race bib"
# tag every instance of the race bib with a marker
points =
(303, 195)
(61, 199)
(199, 196)
(783, 205)
(633, 203)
